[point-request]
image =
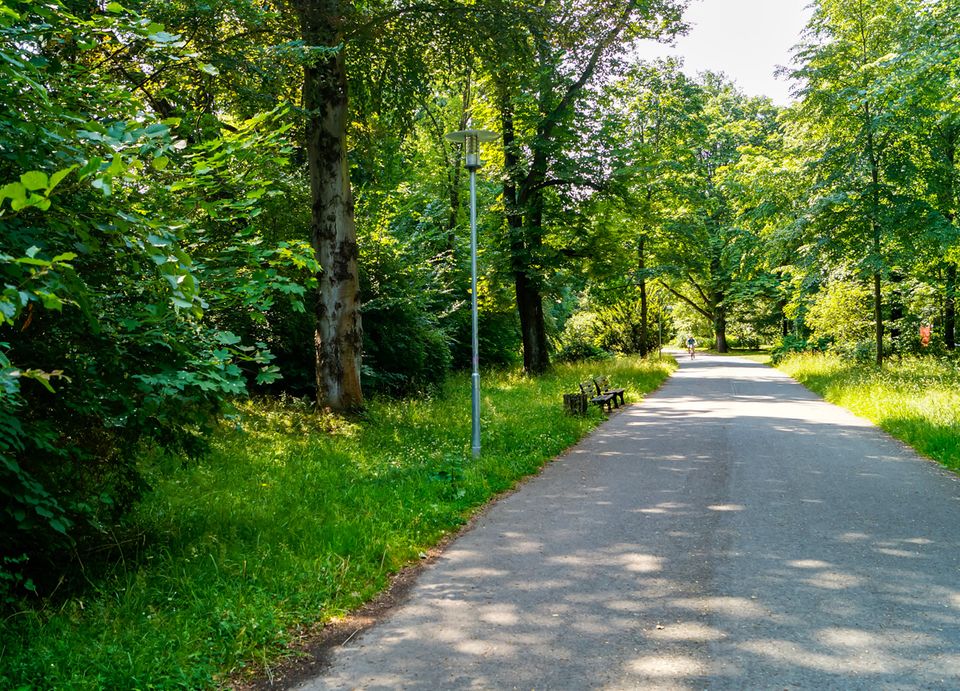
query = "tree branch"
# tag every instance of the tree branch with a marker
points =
(553, 119)
(696, 285)
(687, 300)
(556, 182)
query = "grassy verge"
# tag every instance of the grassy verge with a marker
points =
(917, 400)
(761, 356)
(294, 518)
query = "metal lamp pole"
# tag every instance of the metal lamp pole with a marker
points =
(471, 140)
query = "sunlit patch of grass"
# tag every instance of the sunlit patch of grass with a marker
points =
(917, 400)
(761, 356)
(294, 518)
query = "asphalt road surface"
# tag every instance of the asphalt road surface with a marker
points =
(732, 531)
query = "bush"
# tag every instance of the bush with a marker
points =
(791, 344)
(840, 313)
(619, 328)
(405, 350)
(107, 346)
(745, 342)
(578, 341)
(580, 351)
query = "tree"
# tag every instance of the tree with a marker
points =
(849, 51)
(927, 72)
(339, 335)
(564, 47)
(647, 124)
(711, 254)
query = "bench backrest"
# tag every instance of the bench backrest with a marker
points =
(601, 382)
(587, 387)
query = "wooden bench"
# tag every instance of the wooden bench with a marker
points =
(591, 391)
(603, 387)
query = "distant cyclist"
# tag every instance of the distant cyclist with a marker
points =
(692, 346)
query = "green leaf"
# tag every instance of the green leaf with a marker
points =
(58, 177)
(163, 37)
(103, 184)
(51, 301)
(227, 338)
(14, 190)
(117, 166)
(160, 162)
(57, 525)
(35, 180)
(209, 69)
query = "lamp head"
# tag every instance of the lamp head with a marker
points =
(471, 145)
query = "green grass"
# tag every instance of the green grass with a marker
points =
(761, 356)
(917, 400)
(293, 519)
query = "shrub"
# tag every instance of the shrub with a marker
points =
(405, 350)
(578, 341)
(100, 304)
(841, 313)
(791, 344)
(619, 328)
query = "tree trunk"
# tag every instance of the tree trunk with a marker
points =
(720, 327)
(533, 330)
(523, 245)
(784, 322)
(641, 264)
(339, 336)
(950, 307)
(878, 314)
(875, 230)
(536, 359)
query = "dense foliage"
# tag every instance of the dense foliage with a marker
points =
(112, 220)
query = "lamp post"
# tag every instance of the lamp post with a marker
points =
(471, 149)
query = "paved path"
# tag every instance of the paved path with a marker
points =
(732, 531)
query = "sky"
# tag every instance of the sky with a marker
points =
(745, 39)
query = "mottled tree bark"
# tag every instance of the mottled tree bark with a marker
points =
(339, 336)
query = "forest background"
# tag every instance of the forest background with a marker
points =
(207, 201)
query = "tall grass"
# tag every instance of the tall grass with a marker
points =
(294, 518)
(917, 400)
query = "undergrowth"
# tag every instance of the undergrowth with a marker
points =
(294, 518)
(917, 400)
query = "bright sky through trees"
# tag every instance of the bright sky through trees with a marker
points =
(745, 39)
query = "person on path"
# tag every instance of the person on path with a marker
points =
(691, 346)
